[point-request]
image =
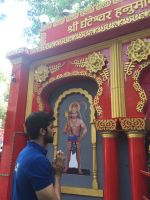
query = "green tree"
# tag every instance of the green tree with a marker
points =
(53, 9)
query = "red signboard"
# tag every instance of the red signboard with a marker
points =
(104, 16)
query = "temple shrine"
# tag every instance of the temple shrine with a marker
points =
(100, 59)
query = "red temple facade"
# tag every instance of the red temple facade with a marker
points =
(100, 56)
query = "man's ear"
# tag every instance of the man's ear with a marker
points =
(42, 131)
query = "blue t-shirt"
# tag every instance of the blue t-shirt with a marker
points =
(33, 172)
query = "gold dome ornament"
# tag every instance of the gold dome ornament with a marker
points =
(41, 73)
(138, 50)
(94, 62)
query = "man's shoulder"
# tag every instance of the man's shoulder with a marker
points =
(31, 156)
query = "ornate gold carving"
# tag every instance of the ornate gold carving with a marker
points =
(132, 124)
(41, 73)
(77, 73)
(138, 50)
(55, 68)
(102, 4)
(138, 87)
(105, 125)
(93, 63)
(105, 74)
(128, 68)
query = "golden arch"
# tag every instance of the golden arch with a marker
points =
(93, 137)
(75, 74)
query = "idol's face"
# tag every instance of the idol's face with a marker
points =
(74, 115)
(74, 108)
(49, 136)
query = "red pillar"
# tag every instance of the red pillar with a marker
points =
(111, 169)
(14, 139)
(139, 183)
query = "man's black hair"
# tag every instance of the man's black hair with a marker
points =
(36, 121)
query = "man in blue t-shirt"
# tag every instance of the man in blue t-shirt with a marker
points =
(34, 176)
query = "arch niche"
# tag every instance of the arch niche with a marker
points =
(94, 191)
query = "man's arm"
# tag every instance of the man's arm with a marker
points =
(52, 192)
(48, 193)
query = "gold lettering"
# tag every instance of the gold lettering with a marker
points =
(86, 22)
(103, 16)
(99, 18)
(108, 14)
(140, 4)
(128, 9)
(73, 27)
(118, 12)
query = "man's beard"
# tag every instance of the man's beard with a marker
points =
(48, 139)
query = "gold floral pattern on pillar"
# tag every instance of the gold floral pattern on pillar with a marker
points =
(132, 124)
(138, 87)
(138, 53)
(93, 62)
(41, 73)
(105, 125)
(55, 68)
(139, 50)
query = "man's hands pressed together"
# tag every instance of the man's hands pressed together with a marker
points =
(58, 163)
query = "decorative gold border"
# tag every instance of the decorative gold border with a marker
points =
(109, 135)
(135, 134)
(138, 87)
(30, 92)
(133, 124)
(93, 136)
(73, 74)
(105, 125)
(129, 70)
(82, 191)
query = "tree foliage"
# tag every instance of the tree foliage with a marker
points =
(53, 9)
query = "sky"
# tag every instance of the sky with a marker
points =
(11, 30)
